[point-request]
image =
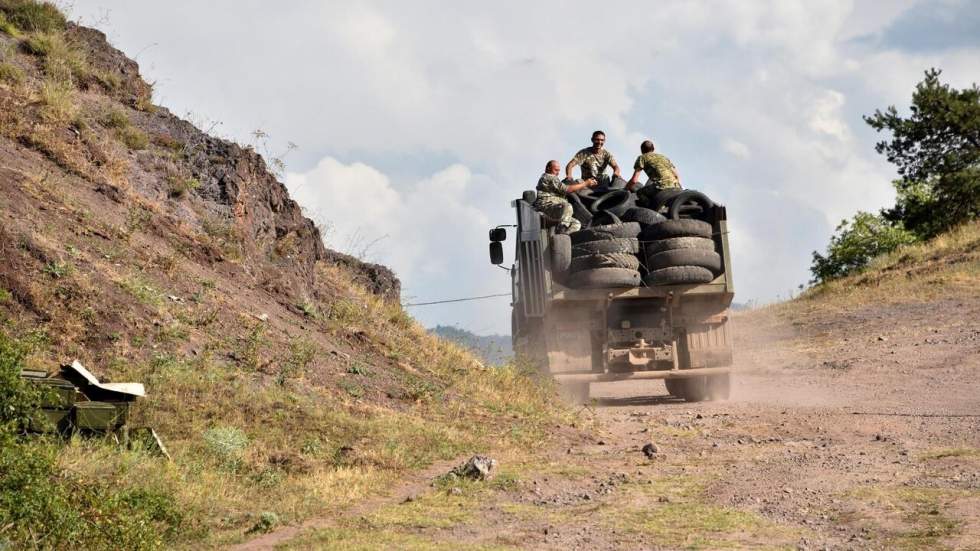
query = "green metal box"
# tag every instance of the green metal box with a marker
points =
(100, 415)
(63, 394)
(50, 420)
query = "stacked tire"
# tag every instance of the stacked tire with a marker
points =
(604, 256)
(679, 252)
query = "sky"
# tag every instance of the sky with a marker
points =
(408, 127)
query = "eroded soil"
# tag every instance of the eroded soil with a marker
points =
(856, 430)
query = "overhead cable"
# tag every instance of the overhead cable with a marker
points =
(456, 300)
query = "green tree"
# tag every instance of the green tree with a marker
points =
(855, 243)
(937, 152)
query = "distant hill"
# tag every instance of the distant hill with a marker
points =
(494, 349)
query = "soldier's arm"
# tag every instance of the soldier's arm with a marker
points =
(614, 165)
(635, 179)
(572, 188)
(571, 164)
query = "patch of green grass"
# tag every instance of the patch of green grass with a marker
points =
(58, 102)
(179, 187)
(355, 390)
(357, 368)
(702, 526)
(5, 295)
(361, 537)
(63, 62)
(309, 310)
(11, 74)
(30, 16)
(7, 27)
(133, 137)
(227, 443)
(301, 355)
(951, 452)
(922, 510)
(114, 117)
(225, 234)
(142, 290)
(345, 312)
(172, 333)
(58, 270)
(251, 347)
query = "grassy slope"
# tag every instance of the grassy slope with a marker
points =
(946, 266)
(109, 256)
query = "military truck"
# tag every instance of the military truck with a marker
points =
(671, 328)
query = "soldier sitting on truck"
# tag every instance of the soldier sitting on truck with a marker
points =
(594, 161)
(662, 173)
(551, 200)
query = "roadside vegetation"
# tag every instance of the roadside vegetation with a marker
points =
(936, 150)
(274, 407)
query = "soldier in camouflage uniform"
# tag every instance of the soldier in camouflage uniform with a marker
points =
(594, 160)
(551, 200)
(662, 173)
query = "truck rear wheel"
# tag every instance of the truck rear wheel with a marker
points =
(699, 389)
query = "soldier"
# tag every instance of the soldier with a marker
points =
(594, 160)
(659, 169)
(551, 199)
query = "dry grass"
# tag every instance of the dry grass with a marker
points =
(246, 443)
(948, 265)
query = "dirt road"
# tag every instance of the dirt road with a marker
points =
(844, 431)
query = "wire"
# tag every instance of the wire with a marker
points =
(456, 300)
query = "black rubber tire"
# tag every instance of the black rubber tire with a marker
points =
(674, 387)
(688, 198)
(561, 255)
(694, 389)
(676, 228)
(678, 275)
(616, 201)
(645, 217)
(606, 218)
(604, 277)
(674, 243)
(617, 182)
(530, 196)
(685, 257)
(607, 260)
(661, 198)
(623, 245)
(608, 231)
(579, 211)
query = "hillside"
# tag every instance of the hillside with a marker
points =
(852, 425)
(285, 378)
(493, 349)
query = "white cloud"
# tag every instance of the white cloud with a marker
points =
(758, 103)
(736, 148)
(432, 231)
(825, 115)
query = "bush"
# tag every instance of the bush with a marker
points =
(18, 400)
(856, 243)
(44, 507)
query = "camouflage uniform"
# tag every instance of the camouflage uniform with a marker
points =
(659, 169)
(594, 164)
(552, 203)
